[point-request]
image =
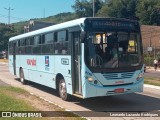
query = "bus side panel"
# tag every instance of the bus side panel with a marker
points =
(27, 63)
(43, 78)
(18, 64)
(45, 71)
(63, 66)
(11, 64)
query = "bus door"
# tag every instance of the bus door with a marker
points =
(14, 58)
(76, 72)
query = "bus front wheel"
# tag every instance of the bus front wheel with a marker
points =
(22, 80)
(63, 90)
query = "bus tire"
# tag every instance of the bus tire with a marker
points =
(63, 90)
(22, 79)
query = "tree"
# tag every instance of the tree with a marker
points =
(155, 17)
(103, 12)
(98, 5)
(84, 8)
(119, 8)
(5, 33)
(148, 11)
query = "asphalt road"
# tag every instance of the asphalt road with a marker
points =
(148, 101)
(152, 73)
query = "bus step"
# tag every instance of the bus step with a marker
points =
(77, 95)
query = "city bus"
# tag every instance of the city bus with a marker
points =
(85, 57)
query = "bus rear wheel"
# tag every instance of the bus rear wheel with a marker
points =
(63, 90)
(22, 80)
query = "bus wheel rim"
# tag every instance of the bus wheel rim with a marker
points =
(63, 89)
(21, 77)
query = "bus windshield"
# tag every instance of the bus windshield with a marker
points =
(113, 49)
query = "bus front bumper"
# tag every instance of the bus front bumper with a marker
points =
(94, 91)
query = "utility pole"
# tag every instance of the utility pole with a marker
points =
(9, 9)
(44, 11)
(93, 8)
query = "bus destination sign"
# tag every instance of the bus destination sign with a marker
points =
(113, 24)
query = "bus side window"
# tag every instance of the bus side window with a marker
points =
(22, 42)
(47, 43)
(28, 48)
(18, 43)
(61, 42)
(21, 49)
(37, 40)
(42, 39)
(55, 37)
(48, 38)
(10, 48)
(31, 41)
(36, 46)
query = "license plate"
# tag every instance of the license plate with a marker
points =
(119, 90)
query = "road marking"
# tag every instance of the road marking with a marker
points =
(152, 86)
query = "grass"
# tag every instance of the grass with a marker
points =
(152, 81)
(9, 102)
(15, 99)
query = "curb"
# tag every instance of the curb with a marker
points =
(3, 63)
(152, 86)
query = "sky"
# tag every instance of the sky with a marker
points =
(22, 10)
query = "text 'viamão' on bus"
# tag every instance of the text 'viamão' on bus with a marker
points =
(86, 57)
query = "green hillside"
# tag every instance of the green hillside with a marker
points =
(146, 11)
(18, 28)
(59, 18)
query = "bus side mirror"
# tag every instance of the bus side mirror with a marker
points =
(82, 37)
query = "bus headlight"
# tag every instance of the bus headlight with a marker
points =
(90, 79)
(139, 76)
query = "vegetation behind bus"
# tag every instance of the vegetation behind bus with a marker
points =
(146, 11)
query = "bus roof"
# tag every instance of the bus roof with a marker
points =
(50, 28)
(60, 26)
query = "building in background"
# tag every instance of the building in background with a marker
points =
(35, 25)
(151, 39)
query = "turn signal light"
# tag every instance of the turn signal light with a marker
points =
(90, 79)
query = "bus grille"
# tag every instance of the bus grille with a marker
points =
(111, 76)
